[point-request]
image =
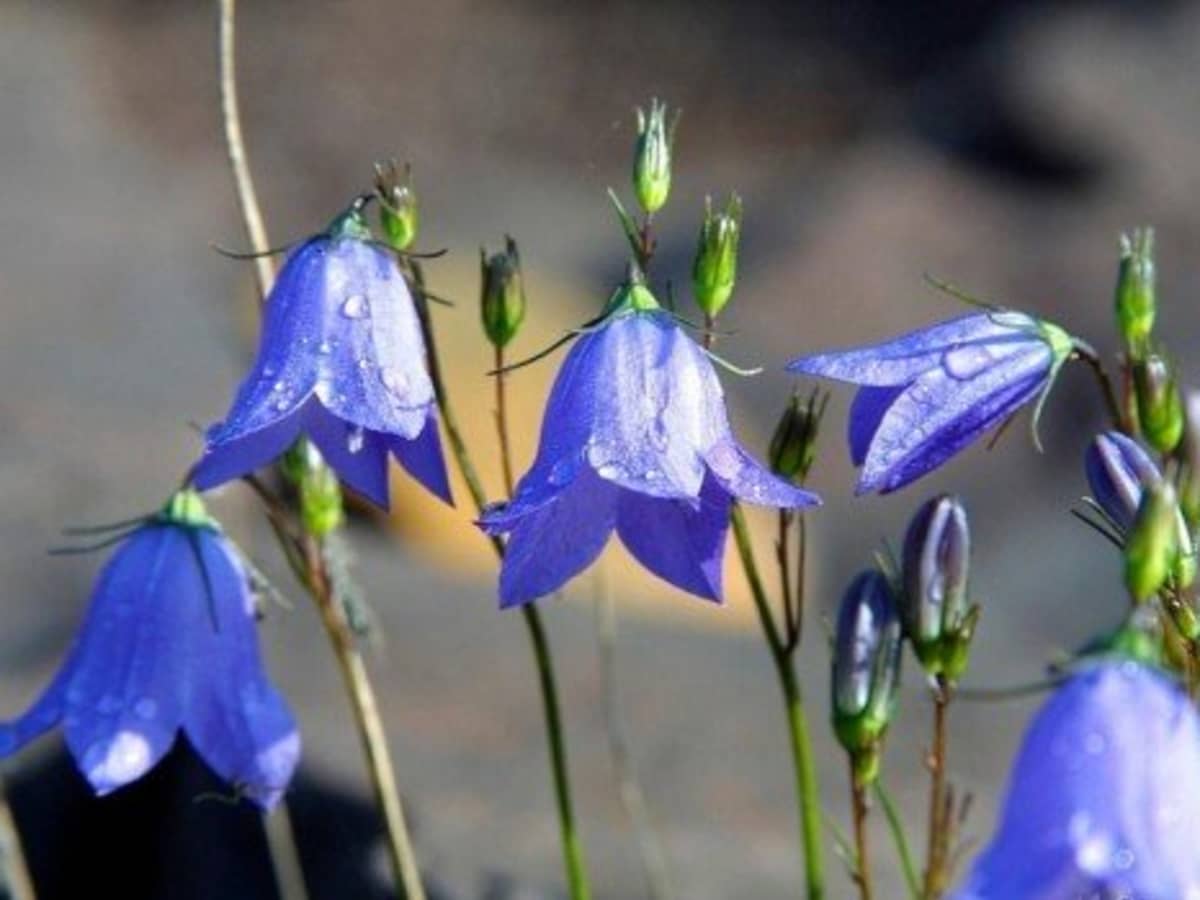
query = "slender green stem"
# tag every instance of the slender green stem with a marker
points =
(285, 858)
(900, 838)
(311, 560)
(572, 848)
(807, 797)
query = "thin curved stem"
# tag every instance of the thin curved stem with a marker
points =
(317, 580)
(366, 717)
(573, 856)
(235, 144)
(1086, 353)
(807, 797)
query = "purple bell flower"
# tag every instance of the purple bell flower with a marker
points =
(341, 360)
(169, 644)
(1104, 799)
(635, 438)
(928, 394)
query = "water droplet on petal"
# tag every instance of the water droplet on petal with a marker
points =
(1123, 859)
(281, 404)
(967, 361)
(356, 307)
(146, 708)
(611, 471)
(364, 363)
(118, 761)
(1094, 743)
(355, 439)
(394, 380)
(325, 348)
(279, 386)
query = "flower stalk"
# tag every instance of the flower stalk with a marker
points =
(317, 580)
(578, 885)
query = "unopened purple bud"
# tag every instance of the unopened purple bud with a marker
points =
(937, 548)
(866, 665)
(1118, 469)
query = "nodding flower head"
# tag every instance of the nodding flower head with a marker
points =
(169, 645)
(341, 360)
(1104, 797)
(635, 438)
(926, 395)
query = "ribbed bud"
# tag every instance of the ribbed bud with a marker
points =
(503, 294)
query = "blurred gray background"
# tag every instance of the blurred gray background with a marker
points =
(1001, 145)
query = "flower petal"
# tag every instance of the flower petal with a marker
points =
(747, 479)
(1105, 794)
(900, 360)
(235, 719)
(556, 542)
(358, 455)
(124, 694)
(655, 407)
(678, 541)
(422, 457)
(866, 412)
(939, 414)
(371, 355)
(238, 454)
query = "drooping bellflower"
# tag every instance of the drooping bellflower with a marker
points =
(169, 644)
(341, 360)
(1104, 798)
(928, 394)
(635, 438)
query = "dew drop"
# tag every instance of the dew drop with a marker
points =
(118, 761)
(967, 362)
(364, 363)
(611, 471)
(279, 387)
(356, 307)
(146, 708)
(395, 381)
(325, 348)
(1094, 743)
(281, 404)
(354, 440)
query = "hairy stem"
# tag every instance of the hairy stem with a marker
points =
(807, 799)
(862, 863)
(935, 851)
(317, 581)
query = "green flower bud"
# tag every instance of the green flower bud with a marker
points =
(1189, 483)
(1152, 545)
(398, 211)
(794, 443)
(321, 507)
(1159, 406)
(866, 670)
(714, 270)
(1135, 296)
(503, 298)
(652, 156)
